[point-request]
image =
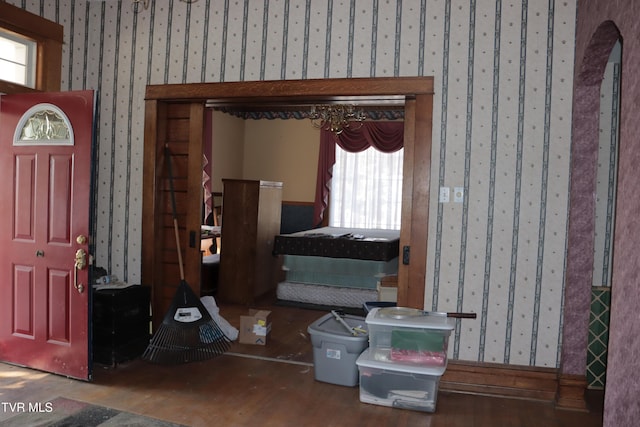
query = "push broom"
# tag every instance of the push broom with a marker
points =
(188, 333)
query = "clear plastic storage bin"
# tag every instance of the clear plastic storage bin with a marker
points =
(398, 385)
(409, 336)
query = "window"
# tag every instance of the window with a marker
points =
(43, 124)
(17, 59)
(30, 51)
(366, 189)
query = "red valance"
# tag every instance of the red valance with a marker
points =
(383, 136)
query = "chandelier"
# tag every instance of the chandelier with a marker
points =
(145, 3)
(336, 118)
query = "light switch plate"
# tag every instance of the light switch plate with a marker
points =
(444, 195)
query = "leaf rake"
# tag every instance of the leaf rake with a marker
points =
(187, 333)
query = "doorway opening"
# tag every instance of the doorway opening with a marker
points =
(581, 240)
(174, 117)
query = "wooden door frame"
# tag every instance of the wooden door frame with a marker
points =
(417, 94)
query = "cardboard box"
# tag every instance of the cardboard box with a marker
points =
(255, 328)
(388, 289)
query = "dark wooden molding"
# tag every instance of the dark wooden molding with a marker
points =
(416, 93)
(300, 91)
(294, 203)
(518, 382)
(571, 390)
(20, 21)
(521, 382)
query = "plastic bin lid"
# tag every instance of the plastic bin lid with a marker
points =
(329, 326)
(367, 360)
(409, 318)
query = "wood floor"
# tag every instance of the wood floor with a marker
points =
(266, 386)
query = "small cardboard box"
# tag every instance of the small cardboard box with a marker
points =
(388, 289)
(255, 327)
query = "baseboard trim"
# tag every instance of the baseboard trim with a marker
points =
(520, 382)
(571, 390)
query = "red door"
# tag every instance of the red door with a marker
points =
(45, 186)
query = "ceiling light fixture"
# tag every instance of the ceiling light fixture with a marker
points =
(137, 3)
(145, 3)
(336, 118)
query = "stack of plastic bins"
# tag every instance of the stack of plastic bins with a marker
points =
(335, 349)
(407, 355)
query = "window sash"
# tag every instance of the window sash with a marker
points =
(17, 59)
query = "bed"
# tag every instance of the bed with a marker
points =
(338, 267)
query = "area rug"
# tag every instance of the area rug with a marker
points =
(62, 412)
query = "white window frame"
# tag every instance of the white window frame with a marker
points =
(29, 76)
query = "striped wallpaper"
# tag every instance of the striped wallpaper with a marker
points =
(503, 75)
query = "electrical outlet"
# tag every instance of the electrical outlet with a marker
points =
(458, 194)
(444, 195)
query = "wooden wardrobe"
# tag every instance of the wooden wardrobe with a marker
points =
(250, 221)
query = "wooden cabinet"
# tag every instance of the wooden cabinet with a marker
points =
(250, 221)
(121, 321)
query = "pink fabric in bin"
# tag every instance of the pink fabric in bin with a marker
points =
(427, 358)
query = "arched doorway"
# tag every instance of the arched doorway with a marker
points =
(580, 241)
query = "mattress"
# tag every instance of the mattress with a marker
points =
(333, 242)
(350, 273)
(325, 295)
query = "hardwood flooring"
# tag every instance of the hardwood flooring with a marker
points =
(270, 385)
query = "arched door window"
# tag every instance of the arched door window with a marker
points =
(43, 124)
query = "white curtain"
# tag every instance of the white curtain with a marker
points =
(366, 189)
